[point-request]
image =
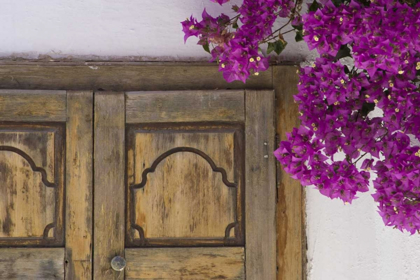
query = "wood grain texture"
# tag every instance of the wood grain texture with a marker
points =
(30, 263)
(79, 185)
(109, 194)
(183, 76)
(31, 105)
(291, 244)
(184, 197)
(185, 106)
(260, 186)
(31, 189)
(186, 263)
(122, 76)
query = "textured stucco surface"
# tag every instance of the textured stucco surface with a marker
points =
(344, 241)
(349, 242)
(105, 29)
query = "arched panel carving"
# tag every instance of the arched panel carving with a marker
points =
(183, 150)
(184, 188)
(31, 163)
(31, 189)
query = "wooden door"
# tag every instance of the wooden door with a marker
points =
(45, 184)
(185, 185)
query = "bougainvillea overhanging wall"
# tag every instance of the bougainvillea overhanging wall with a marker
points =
(369, 61)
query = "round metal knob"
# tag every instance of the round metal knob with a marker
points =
(118, 263)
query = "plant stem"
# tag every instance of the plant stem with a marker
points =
(288, 31)
(360, 158)
(272, 34)
(234, 18)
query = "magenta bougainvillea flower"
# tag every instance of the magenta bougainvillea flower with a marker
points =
(335, 102)
(340, 142)
(221, 2)
(234, 43)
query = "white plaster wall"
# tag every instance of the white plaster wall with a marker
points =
(344, 242)
(104, 29)
(351, 242)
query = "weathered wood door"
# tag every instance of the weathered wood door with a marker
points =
(45, 184)
(180, 184)
(184, 185)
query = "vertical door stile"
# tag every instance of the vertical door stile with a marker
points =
(260, 186)
(109, 192)
(79, 185)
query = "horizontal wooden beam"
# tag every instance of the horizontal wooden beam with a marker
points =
(122, 77)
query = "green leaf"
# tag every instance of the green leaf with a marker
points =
(270, 47)
(206, 47)
(280, 46)
(365, 3)
(337, 3)
(299, 36)
(235, 25)
(277, 46)
(346, 69)
(314, 6)
(344, 51)
(298, 27)
(367, 108)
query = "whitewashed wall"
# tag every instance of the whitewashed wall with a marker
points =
(344, 242)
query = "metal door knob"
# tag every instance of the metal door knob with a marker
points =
(118, 263)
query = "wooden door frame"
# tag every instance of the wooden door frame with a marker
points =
(132, 76)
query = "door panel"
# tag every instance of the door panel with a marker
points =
(30, 263)
(184, 185)
(186, 263)
(184, 106)
(194, 164)
(45, 158)
(31, 174)
(33, 105)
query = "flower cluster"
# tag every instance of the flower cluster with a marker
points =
(339, 143)
(398, 183)
(331, 122)
(235, 42)
(357, 118)
(384, 35)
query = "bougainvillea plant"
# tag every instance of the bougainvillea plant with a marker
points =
(369, 61)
